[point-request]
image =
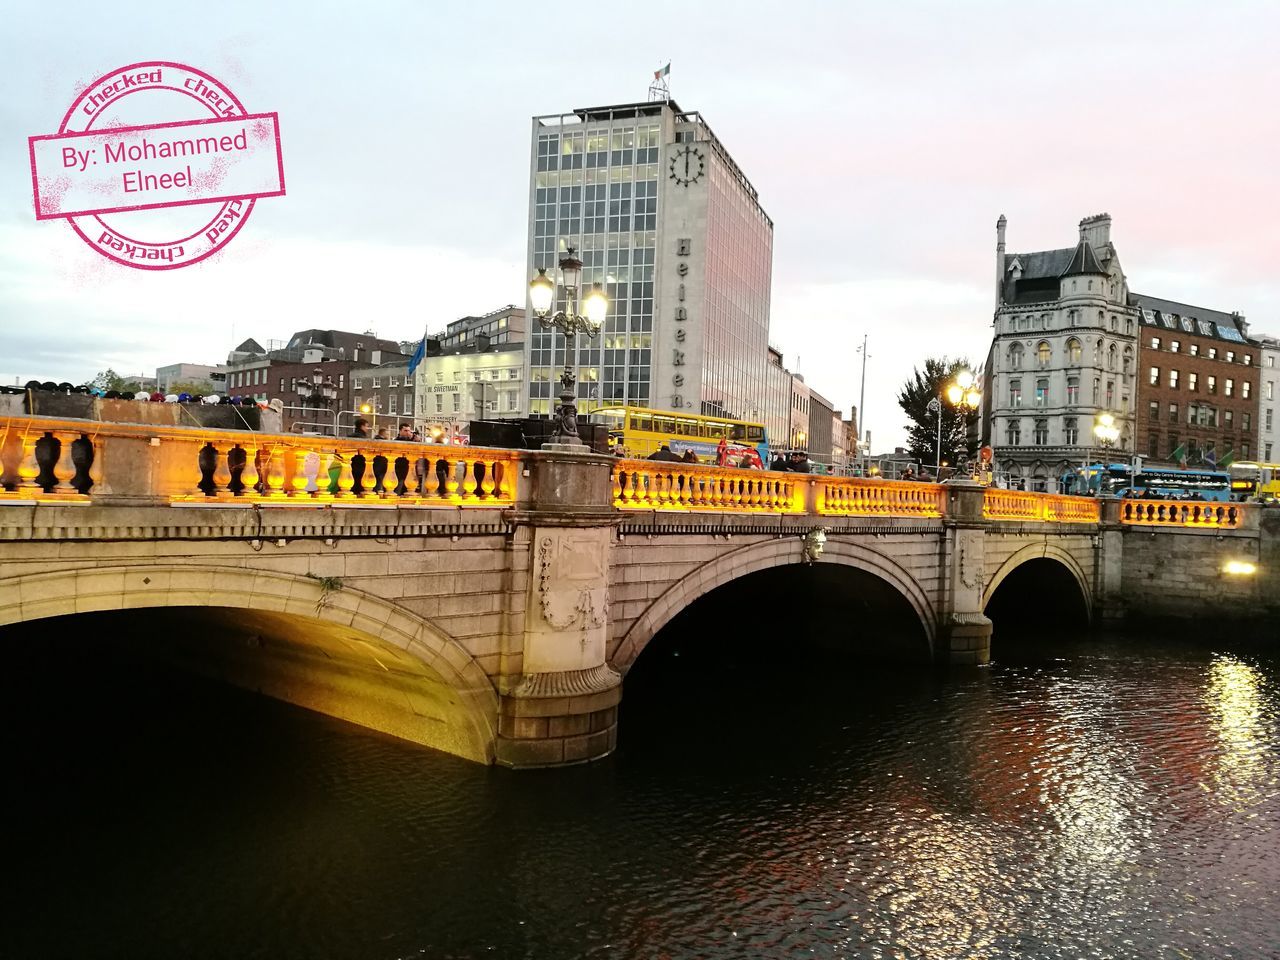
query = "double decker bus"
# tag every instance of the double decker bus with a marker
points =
(639, 431)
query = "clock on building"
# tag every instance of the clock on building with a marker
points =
(687, 165)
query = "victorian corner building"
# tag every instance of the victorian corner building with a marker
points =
(1071, 342)
(668, 225)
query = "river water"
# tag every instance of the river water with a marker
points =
(1115, 797)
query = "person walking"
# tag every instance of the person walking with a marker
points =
(722, 453)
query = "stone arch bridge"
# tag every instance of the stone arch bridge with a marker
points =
(489, 602)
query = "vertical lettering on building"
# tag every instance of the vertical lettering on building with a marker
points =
(684, 248)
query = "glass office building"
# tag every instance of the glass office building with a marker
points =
(669, 227)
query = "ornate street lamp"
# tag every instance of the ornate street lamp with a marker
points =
(963, 394)
(1105, 429)
(542, 291)
(319, 391)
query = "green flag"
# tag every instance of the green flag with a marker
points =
(1228, 459)
(1179, 454)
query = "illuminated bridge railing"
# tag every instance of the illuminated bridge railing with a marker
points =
(1038, 507)
(1180, 513)
(658, 485)
(851, 497)
(69, 461)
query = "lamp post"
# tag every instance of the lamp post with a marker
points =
(1105, 429)
(542, 293)
(964, 395)
(319, 391)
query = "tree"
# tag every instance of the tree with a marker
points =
(108, 379)
(922, 426)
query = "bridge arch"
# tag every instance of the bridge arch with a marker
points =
(756, 557)
(369, 622)
(1042, 551)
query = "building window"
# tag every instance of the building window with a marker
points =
(1071, 431)
(1267, 456)
(1267, 421)
(393, 381)
(1193, 349)
(1173, 445)
(1042, 393)
(1213, 353)
(1096, 385)
(355, 384)
(457, 402)
(1173, 413)
(1153, 377)
(1245, 420)
(282, 384)
(1244, 389)
(1111, 357)
(1244, 449)
(1227, 417)
(1043, 354)
(377, 382)
(1155, 343)
(1015, 393)
(1193, 381)
(1042, 433)
(1247, 360)
(1210, 383)
(1013, 432)
(1228, 388)
(1073, 350)
(1231, 356)
(1015, 356)
(1153, 443)
(1111, 394)
(439, 403)
(1153, 410)
(457, 376)
(1268, 388)
(439, 376)
(1073, 391)
(1127, 362)
(391, 404)
(1173, 379)
(1174, 346)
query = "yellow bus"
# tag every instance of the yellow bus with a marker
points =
(639, 431)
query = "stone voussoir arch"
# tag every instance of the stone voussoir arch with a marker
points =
(73, 590)
(755, 557)
(1038, 551)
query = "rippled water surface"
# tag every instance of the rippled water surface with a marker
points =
(1113, 798)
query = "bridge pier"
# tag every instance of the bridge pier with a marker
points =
(562, 706)
(965, 631)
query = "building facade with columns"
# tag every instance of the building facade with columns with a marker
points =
(1063, 351)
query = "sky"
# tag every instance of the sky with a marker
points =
(884, 140)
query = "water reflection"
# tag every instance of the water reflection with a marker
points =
(1118, 799)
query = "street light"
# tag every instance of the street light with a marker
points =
(1105, 429)
(319, 391)
(542, 291)
(963, 394)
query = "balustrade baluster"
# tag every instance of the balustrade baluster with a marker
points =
(451, 479)
(346, 479)
(65, 470)
(29, 468)
(249, 474)
(96, 466)
(221, 469)
(276, 469)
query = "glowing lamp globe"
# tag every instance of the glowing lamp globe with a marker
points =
(542, 291)
(596, 305)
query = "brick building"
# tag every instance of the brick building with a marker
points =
(1198, 392)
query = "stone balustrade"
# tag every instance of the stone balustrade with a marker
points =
(81, 461)
(659, 485)
(1037, 507)
(851, 497)
(1182, 513)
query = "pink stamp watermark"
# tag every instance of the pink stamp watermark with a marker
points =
(156, 165)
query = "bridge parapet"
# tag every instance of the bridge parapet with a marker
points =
(68, 461)
(1040, 507)
(1182, 513)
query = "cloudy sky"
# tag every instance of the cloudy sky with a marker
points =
(884, 139)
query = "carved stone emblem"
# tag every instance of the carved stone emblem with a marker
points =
(572, 580)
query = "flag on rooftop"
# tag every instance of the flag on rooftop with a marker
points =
(418, 355)
(1228, 459)
(659, 74)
